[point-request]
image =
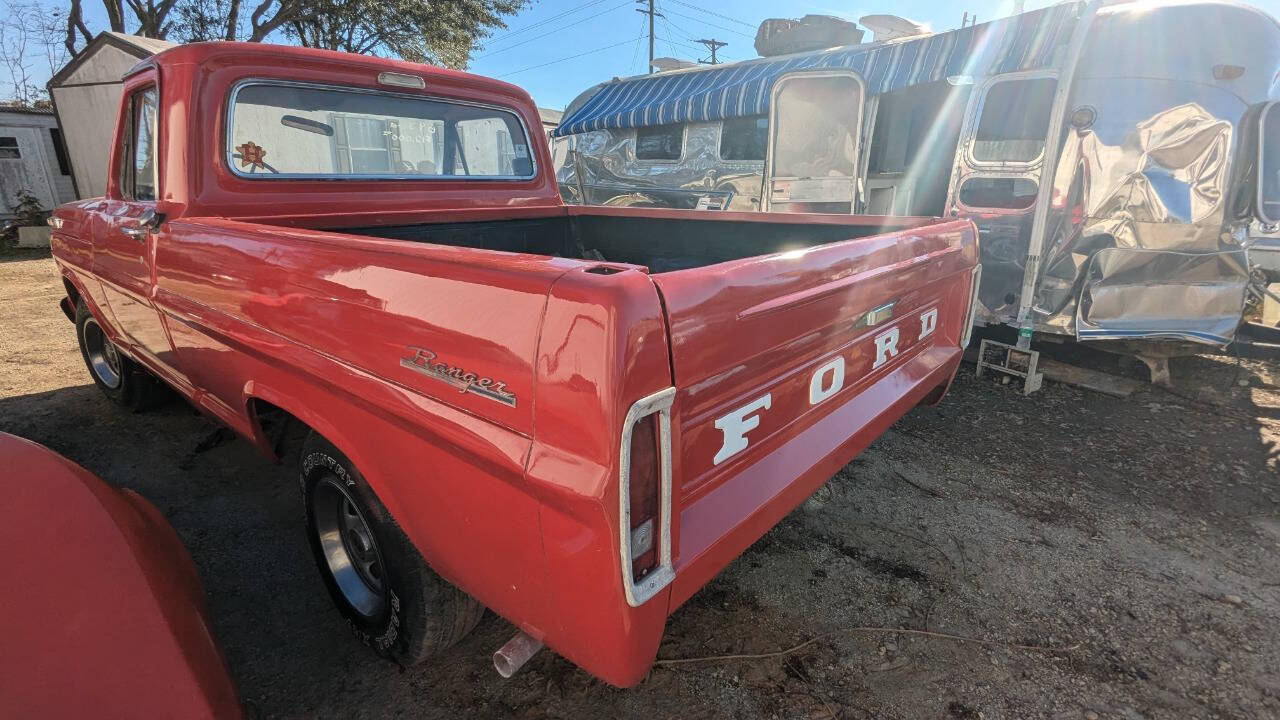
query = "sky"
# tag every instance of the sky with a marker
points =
(612, 36)
(557, 48)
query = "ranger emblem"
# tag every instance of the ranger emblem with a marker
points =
(424, 361)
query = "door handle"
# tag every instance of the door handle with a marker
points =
(149, 220)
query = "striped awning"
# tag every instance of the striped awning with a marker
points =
(1024, 42)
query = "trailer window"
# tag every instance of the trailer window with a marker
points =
(1015, 121)
(664, 142)
(284, 130)
(1269, 165)
(744, 138)
(999, 193)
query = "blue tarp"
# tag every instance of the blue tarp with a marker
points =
(1024, 42)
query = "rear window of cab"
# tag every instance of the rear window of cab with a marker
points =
(291, 130)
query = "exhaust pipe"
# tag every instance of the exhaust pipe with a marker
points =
(512, 656)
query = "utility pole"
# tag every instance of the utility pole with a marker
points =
(652, 14)
(712, 45)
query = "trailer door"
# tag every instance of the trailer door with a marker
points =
(813, 155)
(998, 169)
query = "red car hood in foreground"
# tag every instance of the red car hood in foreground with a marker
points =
(101, 610)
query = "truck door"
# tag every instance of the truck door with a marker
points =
(997, 174)
(125, 235)
(813, 156)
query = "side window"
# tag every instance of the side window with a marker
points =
(664, 142)
(9, 149)
(1000, 193)
(1015, 120)
(744, 138)
(138, 166)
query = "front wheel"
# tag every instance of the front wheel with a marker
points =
(379, 582)
(122, 380)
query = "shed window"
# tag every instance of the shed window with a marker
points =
(744, 138)
(664, 142)
(60, 151)
(9, 149)
(1015, 121)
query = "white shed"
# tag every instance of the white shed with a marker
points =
(86, 95)
(32, 158)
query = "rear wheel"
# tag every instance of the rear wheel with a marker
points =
(122, 380)
(379, 582)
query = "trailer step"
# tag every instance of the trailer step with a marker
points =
(1011, 362)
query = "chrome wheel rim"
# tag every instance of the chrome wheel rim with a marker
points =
(349, 547)
(104, 358)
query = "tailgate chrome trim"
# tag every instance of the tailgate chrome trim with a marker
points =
(974, 281)
(662, 575)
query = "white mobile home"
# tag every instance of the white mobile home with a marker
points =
(32, 159)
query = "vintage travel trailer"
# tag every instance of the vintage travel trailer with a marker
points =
(1117, 157)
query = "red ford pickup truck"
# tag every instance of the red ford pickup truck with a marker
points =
(575, 416)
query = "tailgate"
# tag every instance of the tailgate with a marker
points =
(766, 347)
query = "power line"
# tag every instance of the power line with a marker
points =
(554, 30)
(571, 57)
(636, 50)
(677, 30)
(652, 13)
(713, 45)
(713, 12)
(544, 21)
(711, 24)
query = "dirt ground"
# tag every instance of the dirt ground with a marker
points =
(1143, 533)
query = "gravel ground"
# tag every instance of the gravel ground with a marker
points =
(1143, 534)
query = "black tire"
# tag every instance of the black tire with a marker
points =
(123, 381)
(392, 600)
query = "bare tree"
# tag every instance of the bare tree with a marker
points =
(200, 20)
(438, 31)
(184, 20)
(442, 32)
(77, 35)
(15, 44)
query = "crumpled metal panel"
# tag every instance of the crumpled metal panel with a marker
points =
(603, 165)
(1156, 293)
(1141, 241)
(1136, 245)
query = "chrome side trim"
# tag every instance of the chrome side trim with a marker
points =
(974, 282)
(662, 575)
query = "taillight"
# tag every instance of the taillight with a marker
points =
(974, 281)
(644, 498)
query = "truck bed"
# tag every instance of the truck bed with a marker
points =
(662, 241)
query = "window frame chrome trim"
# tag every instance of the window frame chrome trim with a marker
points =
(229, 128)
